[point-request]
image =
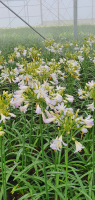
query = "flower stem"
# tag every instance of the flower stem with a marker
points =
(46, 188)
(93, 157)
(56, 169)
(66, 162)
(3, 168)
(24, 141)
(49, 142)
(31, 126)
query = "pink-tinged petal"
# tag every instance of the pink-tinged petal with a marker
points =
(84, 130)
(57, 144)
(49, 115)
(48, 120)
(23, 108)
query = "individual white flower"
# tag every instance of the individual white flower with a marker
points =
(24, 52)
(17, 101)
(88, 94)
(18, 54)
(80, 58)
(88, 121)
(19, 65)
(12, 115)
(62, 78)
(27, 77)
(54, 77)
(61, 61)
(79, 146)
(91, 106)
(80, 92)
(15, 49)
(41, 92)
(18, 93)
(58, 98)
(42, 69)
(49, 115)
(38, 109)
(79, 120)
(59, 88)
(1, 67)
(49, 119)
(69, 98)
(10, 61)
(23, 108)
(50, 101)
(60, 72)
(23, 87)
(61, 107)
(57, 144)
(94, 60)
(69, 111)
(91, 84)
(84, 130)
(3, 118)
(71, 44)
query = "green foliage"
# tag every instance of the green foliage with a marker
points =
(33, 170)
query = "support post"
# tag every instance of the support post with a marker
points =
(41, 12)
(75, 18)
(58, 11)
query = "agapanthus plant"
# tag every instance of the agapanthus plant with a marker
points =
(68, 122)
(89, 93)
(4, 107)
(52, 46)
(72, 67)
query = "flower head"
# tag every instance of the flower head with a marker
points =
(38, 109)
(50, 118)
(79, 146)
(23, 108)
(57, 144)
(69, 98)
(91, 106)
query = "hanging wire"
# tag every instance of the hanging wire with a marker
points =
(9, 14)
(50, 10)
(20, 10)
(24, 10)
(22, 19)
(67, 8)
(44, 12)
(55, 10)
(27, 11)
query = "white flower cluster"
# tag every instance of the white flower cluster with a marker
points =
(38, 82)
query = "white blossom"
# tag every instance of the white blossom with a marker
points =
(57, 144)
